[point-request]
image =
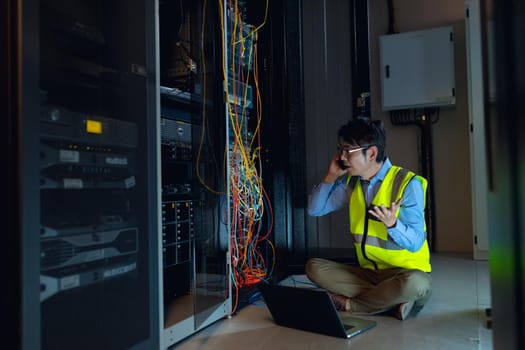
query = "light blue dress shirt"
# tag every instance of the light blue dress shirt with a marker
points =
(409, 231)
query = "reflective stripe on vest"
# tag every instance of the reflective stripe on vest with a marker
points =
(377, 242)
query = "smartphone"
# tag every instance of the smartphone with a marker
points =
(341, 164)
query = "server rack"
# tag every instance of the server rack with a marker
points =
(195, 246)
(87, 120)
(125, 166)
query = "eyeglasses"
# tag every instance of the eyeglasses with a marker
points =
(349, 151)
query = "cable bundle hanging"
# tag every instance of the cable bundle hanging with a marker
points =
(250, 214)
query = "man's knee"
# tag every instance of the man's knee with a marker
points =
(311, 267)
(417, 285)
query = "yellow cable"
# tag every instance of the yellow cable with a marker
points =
(203, 128)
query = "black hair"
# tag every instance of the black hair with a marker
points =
(364, 133)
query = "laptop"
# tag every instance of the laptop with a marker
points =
(310, 310)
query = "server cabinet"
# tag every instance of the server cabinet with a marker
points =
(195, 262)
(123, 175)
(89, 181)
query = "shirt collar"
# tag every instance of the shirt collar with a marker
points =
(382, 172)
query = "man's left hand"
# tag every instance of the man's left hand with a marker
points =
(385, 214)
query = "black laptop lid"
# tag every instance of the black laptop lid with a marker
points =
(303, 308)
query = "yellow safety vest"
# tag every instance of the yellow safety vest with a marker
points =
(374, 247)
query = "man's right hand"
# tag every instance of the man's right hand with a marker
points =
(335, 170)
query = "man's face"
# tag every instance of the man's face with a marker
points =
(355, 158)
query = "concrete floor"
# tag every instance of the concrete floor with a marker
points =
(454, 318)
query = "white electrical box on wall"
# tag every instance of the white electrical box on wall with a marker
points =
(417, 69)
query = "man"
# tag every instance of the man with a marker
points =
(387, 223)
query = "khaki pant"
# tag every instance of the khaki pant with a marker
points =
(371, 291)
